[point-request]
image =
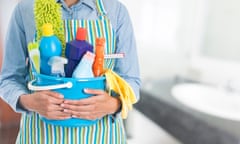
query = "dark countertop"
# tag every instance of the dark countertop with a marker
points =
(187, 125)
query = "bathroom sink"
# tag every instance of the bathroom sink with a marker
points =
(209, 100)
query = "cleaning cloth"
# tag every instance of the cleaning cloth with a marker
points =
(120, 86)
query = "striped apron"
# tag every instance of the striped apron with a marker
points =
(106, 131)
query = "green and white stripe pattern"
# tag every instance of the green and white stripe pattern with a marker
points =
(34, 131)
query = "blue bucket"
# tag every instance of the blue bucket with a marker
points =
(70, 88)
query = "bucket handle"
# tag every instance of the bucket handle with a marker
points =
(49, 87)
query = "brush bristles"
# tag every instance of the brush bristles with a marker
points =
(48, 11)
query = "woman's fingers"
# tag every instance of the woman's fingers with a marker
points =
(85, 108)
(54, 100)
(48, 104)
(99, 95)
(55, 108)
(53, 94)
(87, 101)
(93, 107)
(50, 97)
(56, 115)
(53, 97)
(94, 91)
(88, 115)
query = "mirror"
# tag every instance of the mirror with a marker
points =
(221, 30)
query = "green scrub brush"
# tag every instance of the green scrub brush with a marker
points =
(34, 54)
(48, 11)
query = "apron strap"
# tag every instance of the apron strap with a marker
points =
(100, 8)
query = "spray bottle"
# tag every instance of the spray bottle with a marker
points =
(84, 68)
(99, 57)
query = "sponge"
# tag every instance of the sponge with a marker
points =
(48, 11)
(34, 55)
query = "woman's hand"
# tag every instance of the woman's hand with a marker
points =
(94, 107)
(46, 103)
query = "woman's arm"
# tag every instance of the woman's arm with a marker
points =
(14, 68)
(127, 67)
(15, 75)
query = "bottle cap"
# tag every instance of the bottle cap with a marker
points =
(47, 29)
(89, 55)
(81, 34)
(100, 41)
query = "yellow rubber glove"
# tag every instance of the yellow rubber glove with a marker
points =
(120, 86)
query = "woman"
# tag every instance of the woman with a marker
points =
(52, 105)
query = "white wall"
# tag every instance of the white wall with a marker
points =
(6, 8)
(156, 25)
(222, 30)
(192, 39)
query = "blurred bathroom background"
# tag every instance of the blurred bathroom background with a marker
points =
(178, 41)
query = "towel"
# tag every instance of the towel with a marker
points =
(120, 86)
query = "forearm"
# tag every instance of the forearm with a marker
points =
(25, 102)
(10, 93)
(135, 84)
